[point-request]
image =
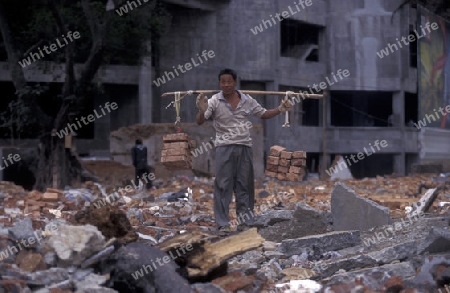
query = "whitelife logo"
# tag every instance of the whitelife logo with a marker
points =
(68, 129)
(188, 66)
(285, 14)
(411, 38)
(53, 48)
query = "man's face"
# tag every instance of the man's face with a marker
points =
(227, 84)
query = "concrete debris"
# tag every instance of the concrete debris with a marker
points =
(437, 241)
(307, 235)
(320, 243)
(353, 212)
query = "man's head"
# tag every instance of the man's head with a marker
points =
(138, 141)
(227, 81)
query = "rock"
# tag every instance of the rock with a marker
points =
(374, 277)
(304, 221)
(47, 277)
(393, 285)
(324, 242)
(206, 288)
(271, 217)
(353, 212)
(400, 252)
(253, 256)
(73, 244)
(444, 277)
(295, 273)
(269, 246)
(140, 268)
(23, 230)
(331, 267)
(32, 262)
(234, 281)
(112, 222)
(95, 290)
(90, 282)
(438, 240)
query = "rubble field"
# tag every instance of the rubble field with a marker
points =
(384, 234)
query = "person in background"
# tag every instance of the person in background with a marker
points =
(139, 157)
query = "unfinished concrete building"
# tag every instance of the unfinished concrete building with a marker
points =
(281, 45)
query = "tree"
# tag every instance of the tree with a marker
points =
(26, 26)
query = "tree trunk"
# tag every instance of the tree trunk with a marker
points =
(58, 166)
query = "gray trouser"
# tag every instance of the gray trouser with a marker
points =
(234, 172)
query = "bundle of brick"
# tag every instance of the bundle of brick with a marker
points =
(285, 165)
(176, 152)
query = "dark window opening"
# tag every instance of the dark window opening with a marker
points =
(300, 40)
(372, 166)
(306, 111)
(411, 109)
(358, 108)
(412, 51)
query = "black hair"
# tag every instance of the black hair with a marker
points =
(138, 141)
(228, 71)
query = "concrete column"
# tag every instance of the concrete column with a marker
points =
(145, 91)
(398, 106)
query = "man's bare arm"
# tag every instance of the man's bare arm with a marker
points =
(270, 113)
(200, 118)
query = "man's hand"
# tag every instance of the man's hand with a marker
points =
(202, 103)
(285, 105)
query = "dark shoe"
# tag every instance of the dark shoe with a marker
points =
(242, 228)
(225, 229)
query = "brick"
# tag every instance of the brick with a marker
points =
(50, 196)
(271, 174)
(285, 162)
(176, 145)
(294, 169)
(273, 160)
(299, 155)
(281, 176)
(192, 143)
(298, 162)
(175, 152)
(54, 190)
(276, 150)
(175, 137)
(282, 169)
(285, 155)
(272, 168)
(292, 177)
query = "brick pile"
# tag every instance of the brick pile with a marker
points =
(285, 165)
(176, 152)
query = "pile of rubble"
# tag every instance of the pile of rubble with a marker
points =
(352, 236)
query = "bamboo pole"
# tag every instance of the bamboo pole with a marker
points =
(247, 92)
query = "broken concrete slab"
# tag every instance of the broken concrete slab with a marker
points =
(399, 252)
(304, 221)
(353, 212)
(271, 217)
(373, 278)
(324, 242)
(424, 203)
(330, 267)
(23, 230)
(437, 241)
